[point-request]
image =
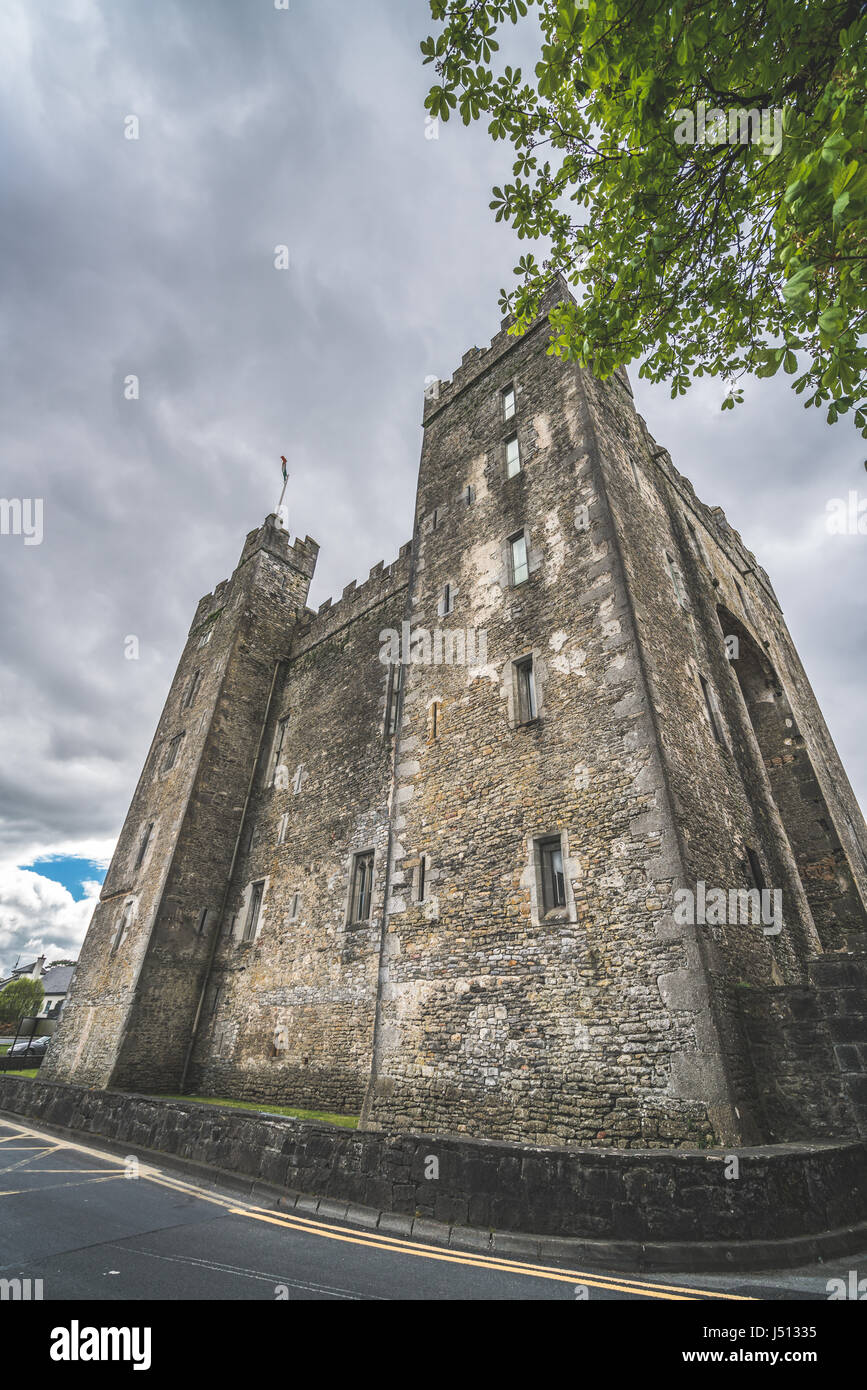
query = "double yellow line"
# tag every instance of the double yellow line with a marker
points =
(394, 1245)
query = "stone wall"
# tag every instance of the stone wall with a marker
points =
(682, 1208)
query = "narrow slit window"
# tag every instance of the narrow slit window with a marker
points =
(422, 874)
(509, 403)
(123, 926)
(254, 911)
(435, 719)
(143, 846)
(203, 921)
(513, 457)
(447, 602)
(362, 885)
(469, 494)
(519, 564)
(553, 876)
(294, 905)
(279, 743)
(206, 637)
(525, 690)
(755, 866)
(172, 752)
(192, 689)
(676, 580)
(712, 708)
(395, 685)
(281, 834)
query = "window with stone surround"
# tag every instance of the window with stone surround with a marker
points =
(191, 690)
(526, 704)
(254, 910)
(519, 565)
(172, 752)
(392, 701)
(144, 843)
(361, 890)
(553, 878)
(509, 402)
(513, 456)
(127, 918)
(714, 713)
(279, 742)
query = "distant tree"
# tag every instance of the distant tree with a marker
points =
(51, 964)
(698, 170)
(21, 997)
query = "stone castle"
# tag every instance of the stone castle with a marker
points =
(417, 855)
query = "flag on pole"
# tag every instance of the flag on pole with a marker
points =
(283, 464)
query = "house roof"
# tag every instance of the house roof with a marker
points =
(56, 980)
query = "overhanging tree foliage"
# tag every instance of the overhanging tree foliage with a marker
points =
(698, 171)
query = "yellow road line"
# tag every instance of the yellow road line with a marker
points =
(390, 1244)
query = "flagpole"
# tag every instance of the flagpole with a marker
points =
(282, 495)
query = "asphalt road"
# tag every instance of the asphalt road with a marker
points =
(71, 1215)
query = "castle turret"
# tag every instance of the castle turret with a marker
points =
(131, 1012)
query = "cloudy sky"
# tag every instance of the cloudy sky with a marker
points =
(154, 257)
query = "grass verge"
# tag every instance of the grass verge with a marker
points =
(324, 1116)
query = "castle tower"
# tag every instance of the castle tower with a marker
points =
(134, 1002)
(450, 851)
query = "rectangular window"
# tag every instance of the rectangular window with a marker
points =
(281, 833)
(172, 752)
(206, 637)
(518, 562)
(279, 741)
(215, 998)
(255, 908)
(447, 602)
(509, 403)
(553, 877)
(362, 885)
(420, 880)
(525, 691)
(712, 708)
(203, 921)
(294, 906)
(513, 457)
(193, 686)
(469, 494)
(634, 471)
(434, 519)
(392, 704)
(143, 847)
(435, 719)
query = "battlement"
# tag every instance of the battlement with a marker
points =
(383, 581)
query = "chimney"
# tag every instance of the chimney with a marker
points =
(36, 972)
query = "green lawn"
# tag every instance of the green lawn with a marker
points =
(25, 1071)
(346, 1121)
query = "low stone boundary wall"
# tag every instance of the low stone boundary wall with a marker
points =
(783, 1193)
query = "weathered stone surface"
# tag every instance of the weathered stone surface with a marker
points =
(661, 759)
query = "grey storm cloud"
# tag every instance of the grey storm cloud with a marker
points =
(154, 257)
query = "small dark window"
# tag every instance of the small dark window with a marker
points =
(755, 867)
(362, 884)
(518, 561)
(509, 403)
(513, 457)
(203, 921)
(435, 519)
(392, 704)
(422, 869)
(255, 908)
(469, 494)
(435, 719)
(553, 877)
(676, 578)
(123, 926)
(192, 689)
(143, 847)
(525, 691)
(294, 905)
(172, 752)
